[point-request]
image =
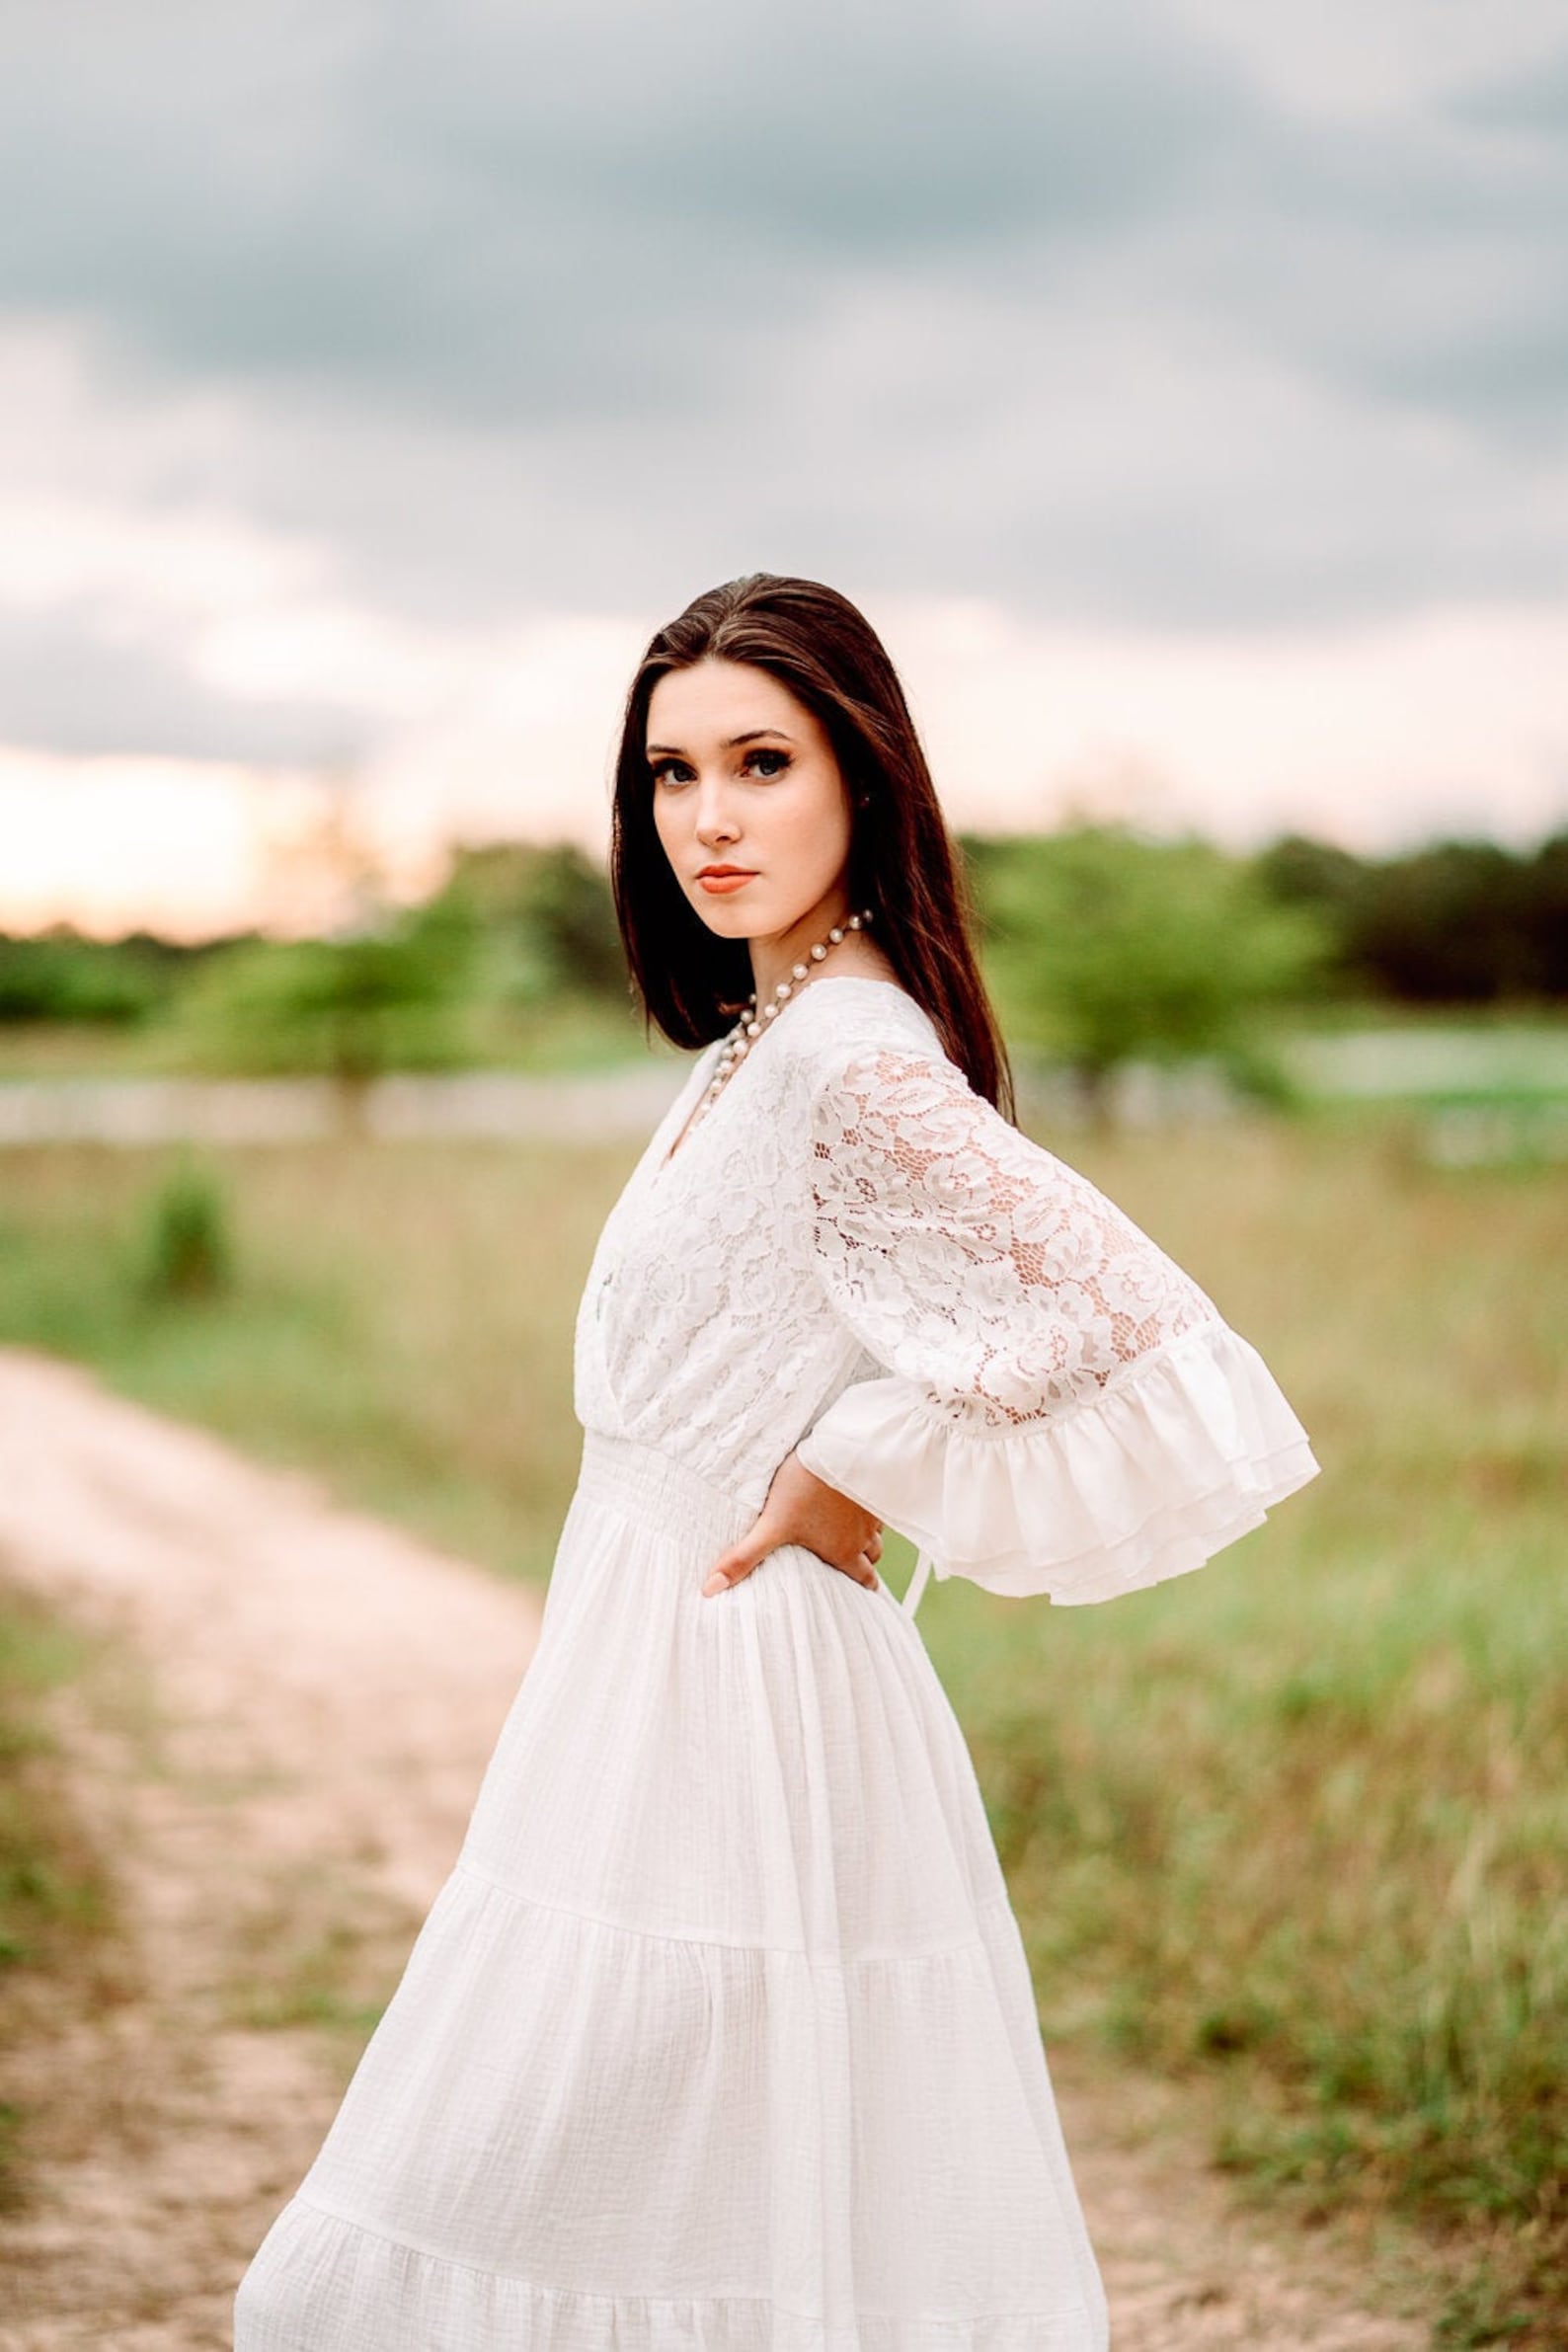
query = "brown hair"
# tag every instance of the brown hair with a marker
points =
(902, 859)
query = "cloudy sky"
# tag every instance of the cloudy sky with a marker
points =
(1182, 389)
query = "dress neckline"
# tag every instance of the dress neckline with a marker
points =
(828, 979)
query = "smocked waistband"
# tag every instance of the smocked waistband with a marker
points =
(647, 1483)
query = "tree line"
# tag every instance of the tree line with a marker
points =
(1093, 934)
(1453, 922)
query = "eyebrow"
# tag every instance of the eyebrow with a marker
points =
(750, 737)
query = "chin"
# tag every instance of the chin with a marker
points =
(727, 920)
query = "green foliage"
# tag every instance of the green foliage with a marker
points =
(60, 976)
(548, 917)
(351, 1008)
(576, 914)
(1108, 947)
(188, 1249)
(1451, 922)
(1103, 946)
(512, 932)
(54, 1892)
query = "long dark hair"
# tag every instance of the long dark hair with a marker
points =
(901, 860)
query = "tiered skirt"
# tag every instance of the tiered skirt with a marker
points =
(720, 2036)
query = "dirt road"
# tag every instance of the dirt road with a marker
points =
(284, 1775)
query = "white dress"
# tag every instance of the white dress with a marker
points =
(720, 2036)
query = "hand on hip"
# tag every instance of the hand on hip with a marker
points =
(802, 1508)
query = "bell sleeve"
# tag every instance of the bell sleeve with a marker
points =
(1060, 1409)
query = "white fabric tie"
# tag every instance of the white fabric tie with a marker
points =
(912, 1599)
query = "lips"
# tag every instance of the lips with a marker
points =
(717, 873)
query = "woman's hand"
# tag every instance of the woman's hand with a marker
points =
(803, 1509)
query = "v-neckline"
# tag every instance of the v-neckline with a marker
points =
(668, 1158)
(693, 1120)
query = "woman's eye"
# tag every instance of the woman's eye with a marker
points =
(675, 771)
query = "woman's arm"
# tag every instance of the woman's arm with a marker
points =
(1063, 1409)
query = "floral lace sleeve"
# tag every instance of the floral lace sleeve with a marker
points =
(1063, 1410)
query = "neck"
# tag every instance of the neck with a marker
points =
(774, 959)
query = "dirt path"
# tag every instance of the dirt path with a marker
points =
(284, 1795)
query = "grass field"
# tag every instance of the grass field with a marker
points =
(1293, 1826)
(567, 1033)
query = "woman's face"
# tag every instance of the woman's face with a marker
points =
(743, 775)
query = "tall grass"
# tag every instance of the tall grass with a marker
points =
(56, 1894)
(1300, 1821)
(188, 1250)
(1294, 1825)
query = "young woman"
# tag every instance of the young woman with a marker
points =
(720, 2036)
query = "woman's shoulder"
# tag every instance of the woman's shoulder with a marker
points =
(854, 1038)
(842, 1014)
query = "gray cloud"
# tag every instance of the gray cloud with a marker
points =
(1536, 102)
(591, 302)
(66, 687)
(539, 213)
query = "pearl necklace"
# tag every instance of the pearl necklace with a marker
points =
(751, 1025)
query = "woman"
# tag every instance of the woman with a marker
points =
(720, 2035)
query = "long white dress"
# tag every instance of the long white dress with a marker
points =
(720, 2036)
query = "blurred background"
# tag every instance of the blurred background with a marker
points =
(1182, 392)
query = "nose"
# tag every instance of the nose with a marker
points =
(715, 821)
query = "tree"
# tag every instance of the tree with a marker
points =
(1108, 946)
(391, 994)
(549, 918)
(58, 976)
(1549, 915)
(1447, 923)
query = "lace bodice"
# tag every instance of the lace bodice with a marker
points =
(854, 1254)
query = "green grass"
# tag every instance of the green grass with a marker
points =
(319, 1959)
(564, 1033)
(40, 1889)
(1291, 1827)
(55, 1895)
(1298, 1822)
(396, 1320)
(1377, 1046)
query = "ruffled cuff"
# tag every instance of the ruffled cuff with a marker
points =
(1184, 1452)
